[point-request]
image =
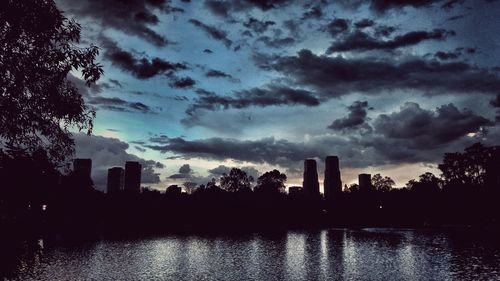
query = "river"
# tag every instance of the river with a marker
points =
(332, 254)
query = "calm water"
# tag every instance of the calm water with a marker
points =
(336, 254)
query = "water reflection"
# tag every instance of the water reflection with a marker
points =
(335, 254)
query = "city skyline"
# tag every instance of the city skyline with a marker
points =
(211, 84)
(127, 178)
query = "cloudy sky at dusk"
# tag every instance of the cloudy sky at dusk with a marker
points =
(194, 87)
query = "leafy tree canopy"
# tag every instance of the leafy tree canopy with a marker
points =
(272, 181)
(469, 168)
(39, 47)
(237, 180)
(382, 183)
(427, 182)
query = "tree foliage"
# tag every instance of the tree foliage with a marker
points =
(382, 183)
(272, 181)
(469, 168)
(39, 47)
(236, 180)
(427, 182)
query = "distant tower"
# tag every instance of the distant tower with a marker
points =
(132, 177)
(310, 184)
(365, 182)
(332, 183)
(115, 180)
(82, 167)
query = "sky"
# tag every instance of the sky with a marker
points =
(192, 88)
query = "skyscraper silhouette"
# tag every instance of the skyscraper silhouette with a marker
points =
(365, 182)
(310, 183)
(82, 167)
(332, 183)
(115, 180)
(132, 177)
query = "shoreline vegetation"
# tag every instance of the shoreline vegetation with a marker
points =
(36, 200)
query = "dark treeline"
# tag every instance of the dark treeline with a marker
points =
(35, 198)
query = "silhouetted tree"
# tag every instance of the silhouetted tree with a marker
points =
(173, 190)
(237, 180)
(212, 184)
(353, 187)
(272, 181)
(427, 182)
(190, 187)
(469, 168)
(38, 105)
(382, 183)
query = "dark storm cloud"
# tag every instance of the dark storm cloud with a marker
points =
(142, 68)
(185, 172)
(276, 42)
(267, 150)
(258, 26)
(222, 169)
(116, 83)
(225, 8)
(212, 73)
(266, 4)
(214, 32)
(182, 82)
(314, 12)
(337, 26)
(219, 8)
(384, 30)
(361, 41)
(364, 23)
(447, 55)
(185, 169)
(425, 128)
(409, 135)
(110, 152)
(131, 16)
(274, 151)
(293, 27)
(120, 105)
(208, 51)
(355, 119)
(217, 73)
(159, 139)
(273, 95)
(382, 6)
(450, 4)
(457, 17)
(337, 76)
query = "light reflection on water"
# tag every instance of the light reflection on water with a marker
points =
(335, 254)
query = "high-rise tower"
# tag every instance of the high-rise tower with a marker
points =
(115, 180)
(310, 184)
(132, 177)
(332, 183)
(365, 182)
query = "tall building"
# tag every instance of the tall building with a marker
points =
(132, 177)
(310, 183)
(365, 182)
(332, 183)
(82, 167)
(115, 180)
